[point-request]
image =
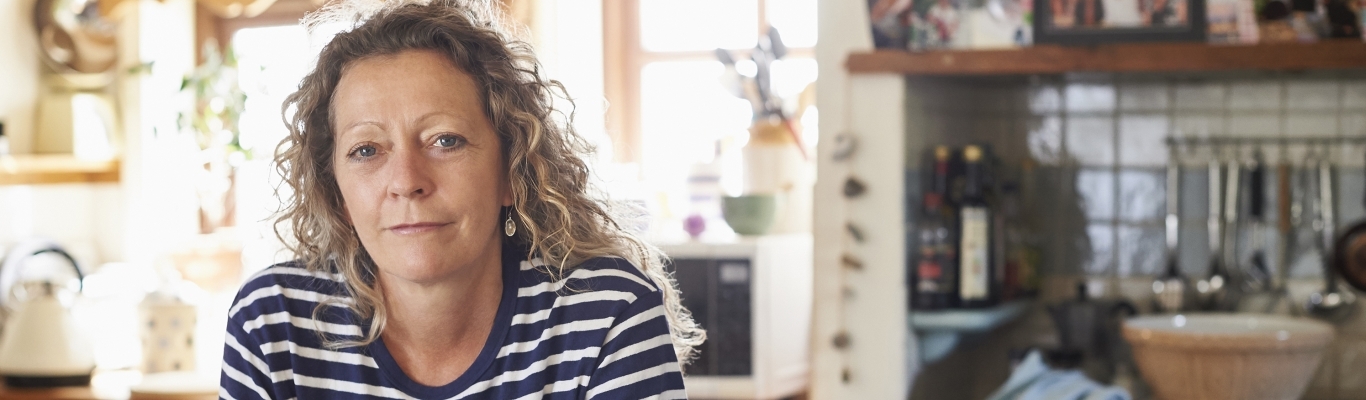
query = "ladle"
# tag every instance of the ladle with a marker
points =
(1171, 290)
(1256, 273)
(1287, 218)
(1213, 289)
(1331, 302)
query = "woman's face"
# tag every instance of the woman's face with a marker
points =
(419, 166)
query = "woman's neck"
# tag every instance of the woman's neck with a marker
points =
(435, 330)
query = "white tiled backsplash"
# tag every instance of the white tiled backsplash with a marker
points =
(85, 218)
(1098, 142)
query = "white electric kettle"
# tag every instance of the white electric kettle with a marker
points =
(41, 345)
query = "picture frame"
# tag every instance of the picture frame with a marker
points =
(1118, 21)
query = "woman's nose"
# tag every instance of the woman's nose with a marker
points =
(409, 174)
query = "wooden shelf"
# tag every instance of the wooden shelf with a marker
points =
(1135, 57)
(47, 169)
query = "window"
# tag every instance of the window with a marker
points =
(273, 53)
(668, 106)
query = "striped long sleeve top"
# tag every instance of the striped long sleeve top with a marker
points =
(598, 333)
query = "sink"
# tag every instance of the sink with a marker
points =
(1227, 356)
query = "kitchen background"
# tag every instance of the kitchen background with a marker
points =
(1088, 149)
(1098, 146)
(1081, 132)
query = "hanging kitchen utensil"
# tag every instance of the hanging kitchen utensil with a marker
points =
(1331, 303)
(1257, 275)
(1232, 188)
(41, 345)
(1284, 224)
(1171, 290)
(1349, 251)
(1212, 291)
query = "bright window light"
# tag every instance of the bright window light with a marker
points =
(270, 61)
(671, 25)
(795, 20)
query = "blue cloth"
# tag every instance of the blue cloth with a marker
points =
(1033, 380)
(600, 332)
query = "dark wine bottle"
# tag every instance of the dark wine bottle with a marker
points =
(935, 285)
(976, 250)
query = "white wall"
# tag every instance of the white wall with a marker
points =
(869, 304)
(18, 72)
(83, 218)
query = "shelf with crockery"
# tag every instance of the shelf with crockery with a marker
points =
(29, 169)
(1131, 57)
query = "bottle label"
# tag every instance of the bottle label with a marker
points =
(973, 261)
(928, 275)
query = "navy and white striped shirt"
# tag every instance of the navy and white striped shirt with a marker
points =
(601, 332)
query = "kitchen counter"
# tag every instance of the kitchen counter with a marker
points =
(113, 385)
(79, 393)
(105, 385)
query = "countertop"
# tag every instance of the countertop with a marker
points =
(116, 385)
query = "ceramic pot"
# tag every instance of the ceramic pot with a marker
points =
(1227, 356)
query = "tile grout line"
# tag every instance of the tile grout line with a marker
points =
(1116, 203)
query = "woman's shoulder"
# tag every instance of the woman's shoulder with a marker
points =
(287, 282)
(595, 274)
(293, 275)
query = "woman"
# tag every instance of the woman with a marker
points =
(448, 246)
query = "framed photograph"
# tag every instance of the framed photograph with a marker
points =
(1113, 21)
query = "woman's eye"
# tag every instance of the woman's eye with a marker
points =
(449, 141)
(366, 151)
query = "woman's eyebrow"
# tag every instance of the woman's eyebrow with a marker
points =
(464, 122)
(357, 124)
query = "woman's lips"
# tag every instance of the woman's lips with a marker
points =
(421, 227)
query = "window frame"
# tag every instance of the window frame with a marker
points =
(210, 26)
(624, 59)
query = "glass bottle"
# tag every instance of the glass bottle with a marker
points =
(935, 273)
(975, 244)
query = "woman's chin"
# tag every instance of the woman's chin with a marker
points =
(420, 268)
(421, 273)
(430, 259)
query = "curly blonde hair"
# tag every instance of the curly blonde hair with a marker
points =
(561, 219)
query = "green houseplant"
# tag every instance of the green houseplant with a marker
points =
(217, 105)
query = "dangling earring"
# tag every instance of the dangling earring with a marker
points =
(509, 227)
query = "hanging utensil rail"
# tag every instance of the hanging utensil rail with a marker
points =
(1195, 141)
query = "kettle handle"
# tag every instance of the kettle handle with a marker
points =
(80, 277)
